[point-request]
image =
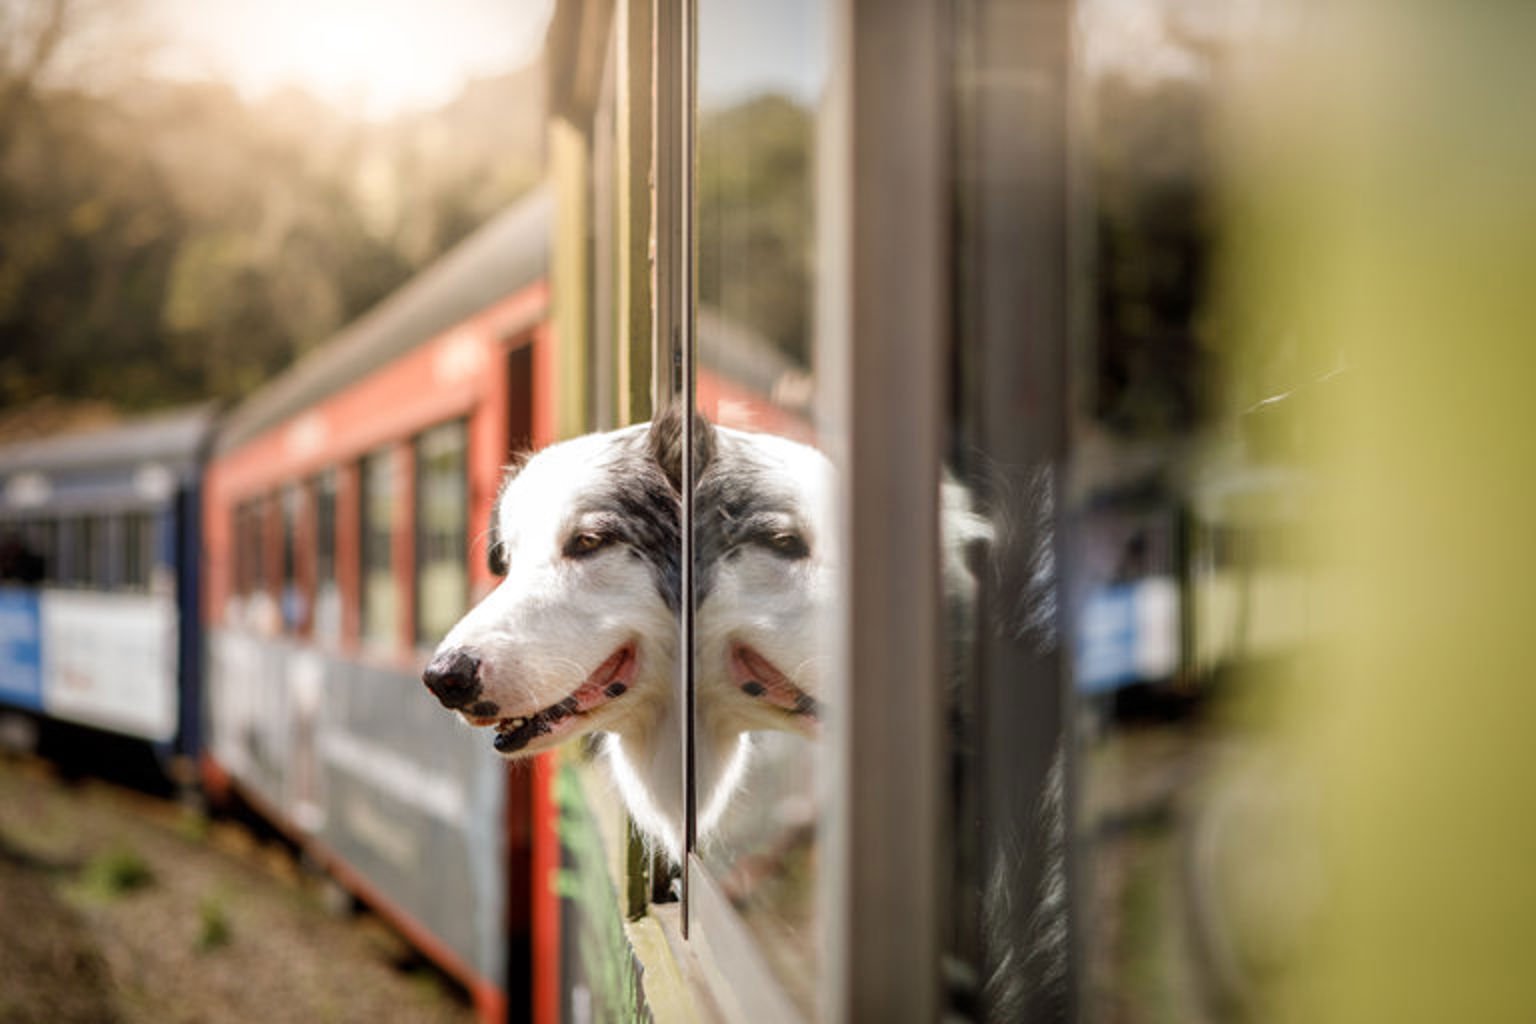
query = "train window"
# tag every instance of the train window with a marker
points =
(380, 591)
(293, 596)
(250, 560)
(40, 538)
(135, 540)
(87, 552)
(763, 587)
(327, 617)
(442, 513)
(21, 558)
(44, 537)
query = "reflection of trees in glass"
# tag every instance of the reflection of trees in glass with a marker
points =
(755, 219)
(1152, 178)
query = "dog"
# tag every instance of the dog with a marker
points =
(768, 564)
(581, 635)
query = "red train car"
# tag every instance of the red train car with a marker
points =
(344, 507)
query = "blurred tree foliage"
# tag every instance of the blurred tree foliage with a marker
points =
(1153, 180)
(755, 221)
(162, 241)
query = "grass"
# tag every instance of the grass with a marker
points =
(115, 872)
(213, 930)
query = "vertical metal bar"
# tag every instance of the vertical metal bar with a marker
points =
(1014, 187)
(632, 31)
(686, 280)
(885, 292)
(673, 242)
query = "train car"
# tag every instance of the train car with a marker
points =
(99, 535)
(344, 509)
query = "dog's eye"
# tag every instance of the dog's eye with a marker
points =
(585, 543)
(788, 544)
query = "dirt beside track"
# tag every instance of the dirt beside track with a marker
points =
(116, 906)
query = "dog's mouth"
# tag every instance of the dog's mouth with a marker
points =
(607, 683)
(758, 678)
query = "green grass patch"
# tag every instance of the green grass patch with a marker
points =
(213, 928)
(116, 872)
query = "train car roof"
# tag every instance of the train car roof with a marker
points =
(172, 438)
(136, 464)
(506, 254)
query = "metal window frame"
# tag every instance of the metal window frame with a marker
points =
(673, 67)
(883, 279)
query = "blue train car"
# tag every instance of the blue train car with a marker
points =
(100, 582)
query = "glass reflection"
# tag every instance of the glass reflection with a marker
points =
(1188, 582)
(763, 509)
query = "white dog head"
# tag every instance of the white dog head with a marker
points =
(580, 635)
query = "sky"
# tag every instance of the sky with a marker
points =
(751, 47)
(373, 58)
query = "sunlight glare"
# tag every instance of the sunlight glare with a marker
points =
(370, 57)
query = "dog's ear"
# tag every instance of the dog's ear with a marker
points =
(665, 440)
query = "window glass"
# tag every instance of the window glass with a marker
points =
(22, 555)
(293, 599)
(327, 592)
(136, 538)
(442, 500)
(46, 542)
(381, 587)
(87, 552)
(762, 510)
(249, 560)
(252, 606)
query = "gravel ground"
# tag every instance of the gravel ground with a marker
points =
(117, 906)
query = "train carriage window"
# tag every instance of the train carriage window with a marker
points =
(293, 597)
(45, 541)
(327, 617)
(442, 511)
(135, 538)
(87, 552)
(250, 610)
(21, 559)
(380, 592)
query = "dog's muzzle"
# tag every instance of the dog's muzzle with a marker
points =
(453, 676)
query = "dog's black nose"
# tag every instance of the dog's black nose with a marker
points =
(453, 676)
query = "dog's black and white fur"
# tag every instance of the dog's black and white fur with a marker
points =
(581, 635)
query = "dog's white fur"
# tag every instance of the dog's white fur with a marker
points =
(554, 620)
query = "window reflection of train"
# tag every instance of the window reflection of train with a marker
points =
(253, 595)
(1178, 588)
